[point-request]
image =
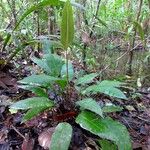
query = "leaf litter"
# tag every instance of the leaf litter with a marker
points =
(135, 116)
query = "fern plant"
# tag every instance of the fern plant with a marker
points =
(91, 117)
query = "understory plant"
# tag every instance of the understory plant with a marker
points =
(56, 77)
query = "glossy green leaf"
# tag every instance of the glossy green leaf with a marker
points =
(37, 90)
(105, 128)
(90, 104)
(108, 88)
(67, 25)
(33, 102)
(50, 63)
(107, 145)
(62, 83)
(55, 64)
(36, 80)
(42, 64)
(114, 92)
(61, 137)
(33, 112)
(70, 71)
(86, 79)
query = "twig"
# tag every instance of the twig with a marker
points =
(19, 132)
(127, 123)
(143, 119)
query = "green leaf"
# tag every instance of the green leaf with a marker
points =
(107, 145)
(36, 80)
(111, 108)
(105, 128)
(113, 92)
(41, 4)
(33, 103)
(62, 83)
(47, 46)
(33, 112)
(111, 83)
(41, 63)
(139, 29)
(70, 71)
(67, 25)
(50, 63)
(37, 90)
(90, 104)
(61, 137)
(86, 79)
(54, 64)
(108, 88)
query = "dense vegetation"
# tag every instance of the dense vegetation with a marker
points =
(74, 74)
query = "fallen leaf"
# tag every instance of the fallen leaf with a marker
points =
(130, 108)
(28, 144)
(6, 80)
(45, 138)
(5, 100)
(3, 135)
(85, 38)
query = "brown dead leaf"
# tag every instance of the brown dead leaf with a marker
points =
(45, 138)
(136, 145)
(3, 135)
(28, 144)
(85, 38)
(6, 80)
(91, 145)
(5, 100)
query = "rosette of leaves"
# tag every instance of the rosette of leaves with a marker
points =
(92, 116)
(54, 72)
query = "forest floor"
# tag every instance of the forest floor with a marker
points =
(17, 136)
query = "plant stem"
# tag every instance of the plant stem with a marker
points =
(67, 75)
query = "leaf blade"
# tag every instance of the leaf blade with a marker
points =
(36, 80)
(32, 103)
(105, 128)
(61, 137)
(107, 87)
(32, 113)
(67, 25)
(90, 104)
(70, 71)
(86, 79)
